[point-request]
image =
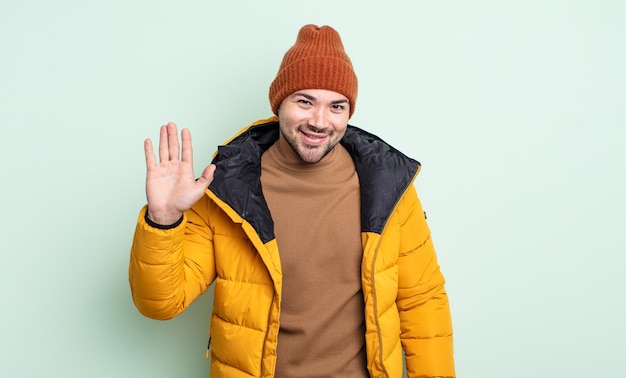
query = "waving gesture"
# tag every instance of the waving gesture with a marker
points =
(171, 187)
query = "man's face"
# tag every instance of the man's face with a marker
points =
(313, 121)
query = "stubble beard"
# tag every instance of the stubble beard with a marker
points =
(307, 153)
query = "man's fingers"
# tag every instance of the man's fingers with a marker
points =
(164, 154)
(172, 141)
(169, 147)
(150, 158)
(187, 154)
(209, 171)
(207, 175)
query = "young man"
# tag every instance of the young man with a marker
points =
(311, 230)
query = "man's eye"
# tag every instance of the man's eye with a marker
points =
(305, 102)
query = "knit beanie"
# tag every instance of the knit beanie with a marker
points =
(316, 61)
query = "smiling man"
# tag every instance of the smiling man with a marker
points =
(311, 230)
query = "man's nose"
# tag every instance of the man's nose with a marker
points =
(318, 118)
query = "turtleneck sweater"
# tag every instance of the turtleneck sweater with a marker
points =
(316, 213)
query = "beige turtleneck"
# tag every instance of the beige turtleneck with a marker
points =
(316, 212)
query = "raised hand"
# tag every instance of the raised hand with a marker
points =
(171, 187)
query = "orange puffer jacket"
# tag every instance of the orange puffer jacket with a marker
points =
(227, 237)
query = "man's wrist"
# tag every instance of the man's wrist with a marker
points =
(159, 225)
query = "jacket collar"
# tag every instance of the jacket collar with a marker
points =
(384, 175)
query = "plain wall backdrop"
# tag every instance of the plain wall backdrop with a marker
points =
(516, 109)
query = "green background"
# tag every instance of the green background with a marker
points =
(516, 110)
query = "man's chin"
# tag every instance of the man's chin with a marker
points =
(312, 154)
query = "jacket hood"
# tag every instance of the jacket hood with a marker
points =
(384, 175)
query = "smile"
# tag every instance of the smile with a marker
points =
(312, 138)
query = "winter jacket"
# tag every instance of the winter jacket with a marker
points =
(227, 237)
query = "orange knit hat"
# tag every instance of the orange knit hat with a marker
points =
(316, 61)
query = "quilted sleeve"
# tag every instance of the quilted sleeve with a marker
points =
(426, 326)
(171, 268)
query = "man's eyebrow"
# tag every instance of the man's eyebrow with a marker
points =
(312, 98)
(305, 95)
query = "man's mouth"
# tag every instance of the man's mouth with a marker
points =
(313, 138)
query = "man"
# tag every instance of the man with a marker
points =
(311, 230)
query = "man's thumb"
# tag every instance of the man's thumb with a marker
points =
(207, 175)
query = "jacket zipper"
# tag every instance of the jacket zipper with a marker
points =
(378, 331)
(380, 336)
(265, 339)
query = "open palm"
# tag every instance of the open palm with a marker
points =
(171, 187)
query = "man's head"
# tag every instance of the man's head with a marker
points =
(314, 93)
